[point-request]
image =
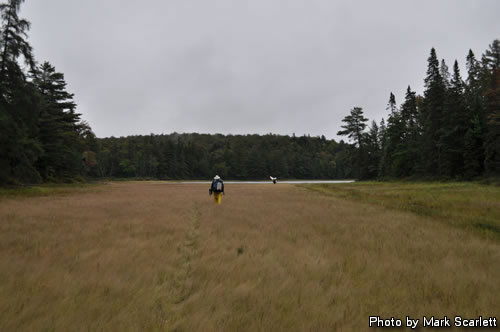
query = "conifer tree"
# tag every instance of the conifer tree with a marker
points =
(445, 74)
(382, 139)
(473, 69)
(387, 152)
(492, 146)
(13, 41)
(473, 150)
(355, 124)
(373, 150)
(406, 153)
(492, 54)
(18, 100)
(432, 117)
(59, 127)
(455, 125)
(475, 135)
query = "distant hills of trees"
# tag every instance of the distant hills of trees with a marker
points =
(201, 156)
(452, 131)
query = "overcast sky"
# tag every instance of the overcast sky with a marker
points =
(255, 66)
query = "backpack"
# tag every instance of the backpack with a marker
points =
(217, 186)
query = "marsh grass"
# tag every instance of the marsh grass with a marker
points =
(151, 256)
(473, 206)
(47, 189)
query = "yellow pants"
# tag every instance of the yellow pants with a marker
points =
(218, 198)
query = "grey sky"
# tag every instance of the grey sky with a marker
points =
(255, 66)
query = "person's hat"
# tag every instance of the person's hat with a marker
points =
(216, 177)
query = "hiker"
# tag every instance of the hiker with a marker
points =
(273, 179)
(217, 188)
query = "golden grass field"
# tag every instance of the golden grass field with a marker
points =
(468, 205)
(158, 256)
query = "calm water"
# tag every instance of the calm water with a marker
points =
(270, 182)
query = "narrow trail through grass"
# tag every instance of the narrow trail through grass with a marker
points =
(174, 292)
(188, 252)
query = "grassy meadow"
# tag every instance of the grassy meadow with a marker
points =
(156, 256)
(473, 206)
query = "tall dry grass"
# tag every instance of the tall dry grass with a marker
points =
(155, 256)
(472, 206)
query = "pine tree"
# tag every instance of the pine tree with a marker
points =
(59, 127)
(485, 74)
(432, 117)
(473, 69)
(475, 136)
(373, 151)
(406, 153)
(445, 74)
(492, 150)
(382, 139)
(455, 126)
(381, 132)
(354, 127)
(473, 150)
(393, 154)
(18, 100)
(493, 54)
(409, 113)
(13, 41)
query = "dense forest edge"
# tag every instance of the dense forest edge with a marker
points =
(451, 132)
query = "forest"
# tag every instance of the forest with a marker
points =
(452, 131)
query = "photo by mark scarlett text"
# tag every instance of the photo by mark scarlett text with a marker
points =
(413, 323)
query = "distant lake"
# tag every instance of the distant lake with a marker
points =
(269, 181)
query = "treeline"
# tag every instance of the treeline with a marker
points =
(42, 138)
(451, 132)
(201, 156)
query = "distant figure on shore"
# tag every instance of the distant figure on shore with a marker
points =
(273, 179)
(217, 188)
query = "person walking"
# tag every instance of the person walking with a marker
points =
(217, 188)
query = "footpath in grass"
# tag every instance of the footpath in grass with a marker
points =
(469, 205)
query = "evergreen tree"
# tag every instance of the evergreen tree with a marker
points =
(455, 125)
(410, 116)
(493, 54)
(492, 150)
(475, 136)
(354, 127)
(485, 76)
(59, 127)
(373, 150)
(473, 70)
(355, 124)
(19, 100)
(91, 148)
(445, 74)
(13, 41)
(382, 139)
(381, 133)
(473, 150)
(395, 133)
(406, 154)
(432, 117)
